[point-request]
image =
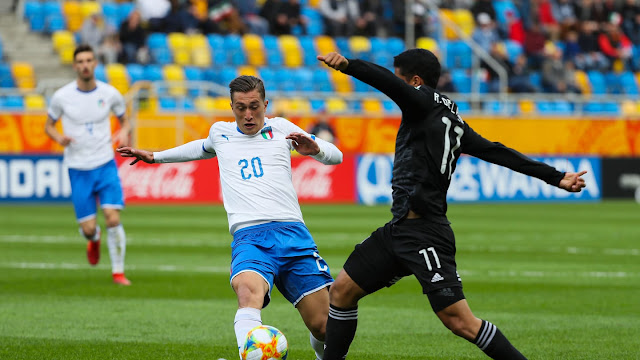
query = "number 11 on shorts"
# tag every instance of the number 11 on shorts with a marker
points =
(425, 253)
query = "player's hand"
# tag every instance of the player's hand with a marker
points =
(144, 155)
(122, 138)
(334, 60)
(65, 140)
(304, 144)
(573, 182)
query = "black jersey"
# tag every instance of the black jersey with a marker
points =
(430, 140)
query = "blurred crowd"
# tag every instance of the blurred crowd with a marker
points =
(557, 37)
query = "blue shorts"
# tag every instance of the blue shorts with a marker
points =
(101, 183)
(283, 253)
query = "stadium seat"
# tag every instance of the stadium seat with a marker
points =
(53, 23)
(361, 87)
(449, 33)
(192, 73)
(118, 77)
(168, 103)
(222, 103)
(322, 80)
(315, 23)
(341, 82)
(254, 49)
(180, 50)
(204, 104)
(32, 9)
(303, 78)
(286, 79)
(343, 45)
(63, 38)
(136, 72)
(299, 105)
(6, 78)
(514, 49)
(390, 107)
(35, 102)
(268, 76)
(14, 102)
(372, 106)
(247, 70)
(359, 46)
(290, 48)
(200, 50)
(325, 44)
(336, 105)
(629, 83)
(100, 73)
(428, 43)
(124, 9)
(110, 9)
(157, 41)
(227, 74)
(23, 75)
(174, 74)
(317, 105)
(465, 21)
(88, 8)
(72, 11)
(597, 81)
(582, 80)
(153, 72)
(395, 46)
(461, 80)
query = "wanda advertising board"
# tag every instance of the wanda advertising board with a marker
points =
(45, 179)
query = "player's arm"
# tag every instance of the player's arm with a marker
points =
(496, 153)
(194, 150)
(54, 134)
(123, 136)
(403, 94)
(323, 151)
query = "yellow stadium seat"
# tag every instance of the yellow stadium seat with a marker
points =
(201, 57)
(341, 82)
(118, 77)
(336, 105)
(465, 21)
(222, 103)
(314, 3)
(279, 106)
(63, 38)
(205, 103)
(66, 55)
(253, 46)
(449, 33)
(247, 70)
(428, 43)
(300, 105)
(89, 8)
(582, 80)
(325, 44)
(35, 102)
(182, 56)
(178, 41)
(372, 106)
(290, 48)
(526, 106)
(71, 9)
(23, 75)
(174, 74)
(359, 44)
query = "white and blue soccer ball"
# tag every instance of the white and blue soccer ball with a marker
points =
(265, 343)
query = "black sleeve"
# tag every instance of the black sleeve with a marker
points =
(406, 96)
(474, 144)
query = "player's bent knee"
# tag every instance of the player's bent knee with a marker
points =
(344, 292)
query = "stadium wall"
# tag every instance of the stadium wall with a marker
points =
(31, 168)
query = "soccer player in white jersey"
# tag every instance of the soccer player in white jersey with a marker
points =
(271, 245)
(84, 106)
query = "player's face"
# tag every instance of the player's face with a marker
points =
(84, 64)
(248, 109)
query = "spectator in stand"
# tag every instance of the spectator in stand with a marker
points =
(615, 45)
(485, 33)
(534, 40)
(558, 76)
(226, 17)
(571, 45)
(514, 27)
(180, 18)
(249, 13)
(630, 12)
(152, 12)
(564, 13)
(483, 6)
(519, 76)
(102, 37)
(420, 19)
(590, 57)
(322, 128)
(445, 82)
(591, 10)
(283, 16)
(339, 16)
(371, 22)
(133, 38)
(542, 9)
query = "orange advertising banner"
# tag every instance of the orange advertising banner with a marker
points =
(24, 133)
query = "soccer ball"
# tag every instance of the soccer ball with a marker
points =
(265, 343)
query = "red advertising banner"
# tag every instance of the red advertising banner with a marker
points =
(199, 181)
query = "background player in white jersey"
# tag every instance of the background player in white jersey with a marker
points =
(85, 105)
(271, 245)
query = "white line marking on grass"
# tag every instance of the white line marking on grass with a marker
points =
(225, 270)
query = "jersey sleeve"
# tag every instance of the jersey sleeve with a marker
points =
(494, 152)
(406, 96)
(117, 105)
(55, 107)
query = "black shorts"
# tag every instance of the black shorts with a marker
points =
(410, 246)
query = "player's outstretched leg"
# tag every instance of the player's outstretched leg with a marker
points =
(343, 317)
(92, 234)
(314, 310)
(117, 242)
(460, 320)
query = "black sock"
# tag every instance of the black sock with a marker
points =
(341, 328)
(494, 344)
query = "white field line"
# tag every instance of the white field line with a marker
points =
(225, 270)
(216, 242)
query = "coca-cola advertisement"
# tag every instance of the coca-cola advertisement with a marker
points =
(199, 181)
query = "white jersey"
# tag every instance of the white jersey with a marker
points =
(255, 172)
(86, 119)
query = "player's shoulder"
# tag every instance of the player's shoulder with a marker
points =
(277, 122)
(104, 87)
(68, 88)
(222, 127)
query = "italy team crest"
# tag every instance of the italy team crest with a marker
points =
(267, 133)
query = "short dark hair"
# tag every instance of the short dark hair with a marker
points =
(82, 48)
(419, 62)
(245, 84)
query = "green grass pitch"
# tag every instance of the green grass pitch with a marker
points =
(562, 281)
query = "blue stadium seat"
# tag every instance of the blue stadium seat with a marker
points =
(136, 72)
(54, 23)
(161, 56)
(514, 49)
(153, 72)
(536, 79)
(124, 9)
(303, 78)
(110, 9)
(211, 74)
(629, 83)
(33, 9)
(395, 46)
(321, 80)
(343, 45)
(286, 79)
(461, 80)
(378, 44)
(14, 102)
(168, 103)
(390, 107)
(157, 41)
(614, 83)
(598, 83)
(361, 87)
(192, 73)
(317, 105)
(51, 8)
(216, 41)
(382, 58)
(227, 74)
(315, 24)
(268, 76)
(6, 79)
(36, 24)
(463, 106)
(100, 73)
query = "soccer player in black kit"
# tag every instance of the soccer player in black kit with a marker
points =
(419, 240)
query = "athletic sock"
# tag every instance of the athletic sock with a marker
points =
(117, 242)
(318, 346)
(341, 329)
(491, 340)
(245, 320)
(95, 237)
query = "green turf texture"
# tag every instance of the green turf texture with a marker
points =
(562, 281)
